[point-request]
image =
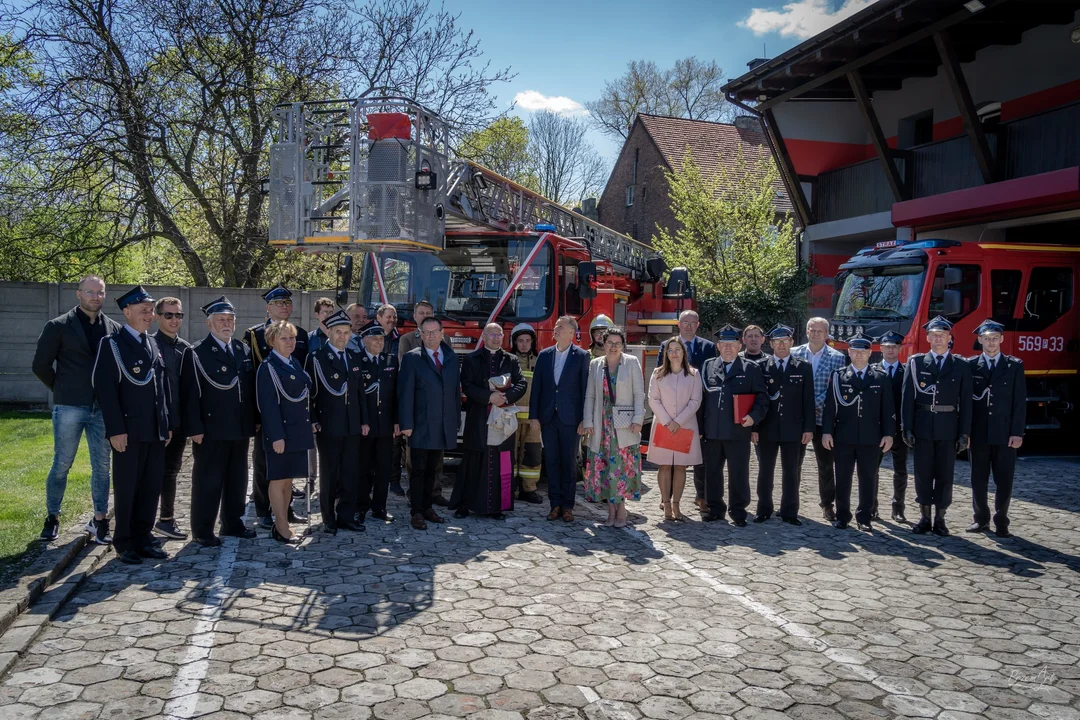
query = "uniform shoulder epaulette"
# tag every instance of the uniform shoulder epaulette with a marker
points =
(1013, 358)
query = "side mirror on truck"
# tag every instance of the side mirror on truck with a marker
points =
(954, 302)
(586, 274)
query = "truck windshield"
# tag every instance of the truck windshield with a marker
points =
(466, 280)
(881, 293)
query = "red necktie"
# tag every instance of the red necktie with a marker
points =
(438, 362)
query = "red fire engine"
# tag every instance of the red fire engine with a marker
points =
(374, 175)
(1031, 289)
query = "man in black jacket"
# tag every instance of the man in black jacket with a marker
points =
(169, 314)
(217, 393)
(787, 428)
(897, 371)
(998, 418)
(379, 371)
(64, 361)
(131, 387)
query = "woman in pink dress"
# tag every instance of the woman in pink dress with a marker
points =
(674, 396)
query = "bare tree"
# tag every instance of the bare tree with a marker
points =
(567, 167)
(156, 115)
(690, 89)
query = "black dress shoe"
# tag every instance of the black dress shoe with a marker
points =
(439, 500)
(244, 534)
(761, 518)
(130, 557)
(352, 526)
(329, 529)
(866, 527)
(282, 539)
(208, 541)
(792, 521)
(922, 527)
(712, 517)
(876, 518)
(297, 494)
(432, 516)
(295, 517)
(1003, 533)
(940, 529)
(266, 522)
(978, 527)
(841, 525)
(461, 513)
(382, 515)
(898, 516)
(828, 513)
(153, 553)
(739, 523)
(531, 497)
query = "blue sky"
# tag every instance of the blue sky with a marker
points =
(567, 49)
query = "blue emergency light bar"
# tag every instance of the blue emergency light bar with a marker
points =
(544, 227)
(917, 244)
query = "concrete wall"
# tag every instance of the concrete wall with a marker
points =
(26, 307)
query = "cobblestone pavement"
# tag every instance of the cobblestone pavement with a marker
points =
(524, 618)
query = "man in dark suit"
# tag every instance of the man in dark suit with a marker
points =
(429, 412)
(337, 394)
(999, 415)
(787, 427)
(379, 371)
(897, 371)
(698, 350)
(858, 424)
(556, 408)
(169, 314)
(64, 362)
(217, 397)
(725, 441)
(480, 486)
(936, 421)
(279, 306)
(131, 388)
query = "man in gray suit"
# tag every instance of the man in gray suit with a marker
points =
(64, 361)
(429, 412)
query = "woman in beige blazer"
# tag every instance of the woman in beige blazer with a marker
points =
(614, 412)
(674, 396)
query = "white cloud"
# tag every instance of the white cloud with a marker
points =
(801, 19)
(533, 101)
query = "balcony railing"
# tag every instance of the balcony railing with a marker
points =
(1028, 146)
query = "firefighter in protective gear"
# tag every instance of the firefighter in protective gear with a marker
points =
(596, 334)
(529, 450)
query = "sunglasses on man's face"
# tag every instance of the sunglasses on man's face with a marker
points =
(173, 315)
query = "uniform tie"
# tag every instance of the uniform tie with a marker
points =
(145, 344)
(892, 371)
(940, 362)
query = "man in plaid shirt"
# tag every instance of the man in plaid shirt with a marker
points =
(825, 361)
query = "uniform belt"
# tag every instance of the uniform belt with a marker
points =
(936, 408)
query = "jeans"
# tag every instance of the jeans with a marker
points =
(69, 422)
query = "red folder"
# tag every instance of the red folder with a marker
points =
(742, 406)
(679, 442)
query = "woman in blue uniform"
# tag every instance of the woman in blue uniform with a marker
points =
(282, 388)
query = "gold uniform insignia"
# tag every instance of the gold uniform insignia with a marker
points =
(922, 384)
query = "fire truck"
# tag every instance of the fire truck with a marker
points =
(375, 175)
(1030, 289)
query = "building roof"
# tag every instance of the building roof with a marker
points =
(890, 41)
(712, 145)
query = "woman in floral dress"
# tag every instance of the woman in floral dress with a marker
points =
(614, 412)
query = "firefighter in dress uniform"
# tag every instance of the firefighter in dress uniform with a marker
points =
(897, 371)
(999, 414)
(787, 427)
(725, 441)
(131, 388)
(279, 306)
(936, 420)
(857, 424)
(337, 411)
(379, 372)
(529, 455)
(217, 398)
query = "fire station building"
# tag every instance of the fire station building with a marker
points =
(928, 119)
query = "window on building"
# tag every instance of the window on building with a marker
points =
(636, 152)
(629, 195)
(1049, 296)
(1004, 289)
(644, 192)
(968, 286)
(917, 129)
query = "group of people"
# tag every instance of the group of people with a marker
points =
(354, 400)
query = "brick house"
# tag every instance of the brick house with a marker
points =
(635, 200)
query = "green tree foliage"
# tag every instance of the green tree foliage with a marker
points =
(502, 146)
(742, 257)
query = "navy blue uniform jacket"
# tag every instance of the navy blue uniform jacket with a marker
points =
(429, 401)
(791, 400)
(716, 418)
(380, 393)
(870, 418)
(139, 411)
(283, 419)
(951, 387)
(208, 409)
(336, 391)
(1001, 408)
(564, 402)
